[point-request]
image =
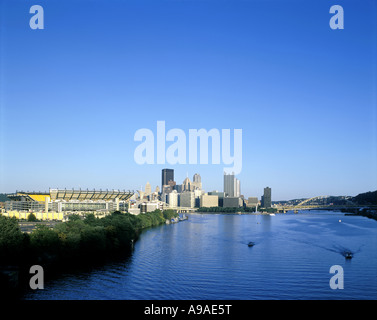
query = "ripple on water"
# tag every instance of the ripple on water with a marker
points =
(207, 257)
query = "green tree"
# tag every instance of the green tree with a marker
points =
(93, 240)
(74, 217)
(31, 217)
(169, 214)
(11, 240)
(120, 229)
(44, 241)
(70, 245)
(90, 219)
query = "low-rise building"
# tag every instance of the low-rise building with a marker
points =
(232, 202)
(187, 199)
(173, 199)
(208, 201)
(221, 196)
(252, 201)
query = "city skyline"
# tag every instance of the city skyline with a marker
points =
(148, 189)
(74, 94)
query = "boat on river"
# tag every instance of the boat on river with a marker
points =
(348, 255)
(251, 244)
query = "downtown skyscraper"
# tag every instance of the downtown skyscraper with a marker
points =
(266, 198)
(232, 186)
(167, 175)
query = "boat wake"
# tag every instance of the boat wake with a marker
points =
(345, 252)
(336, 248)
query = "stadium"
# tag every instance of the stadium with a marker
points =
(58, 204)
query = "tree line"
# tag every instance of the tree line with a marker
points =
(367, 198)
(78, 239)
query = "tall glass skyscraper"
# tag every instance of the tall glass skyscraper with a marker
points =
(232, 186)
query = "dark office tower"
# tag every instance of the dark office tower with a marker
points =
(167, 175)
(267, 198)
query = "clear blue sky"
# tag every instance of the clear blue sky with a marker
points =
(73, 95)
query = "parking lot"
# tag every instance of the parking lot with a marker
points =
(30, 226)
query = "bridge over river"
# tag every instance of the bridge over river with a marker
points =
(310, 204)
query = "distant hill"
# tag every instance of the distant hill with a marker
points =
(367, 198)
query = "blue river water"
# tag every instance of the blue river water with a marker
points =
(207, 257)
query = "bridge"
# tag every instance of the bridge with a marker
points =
(296, 209)
(304, 205)
(307, 205)
(301, 204)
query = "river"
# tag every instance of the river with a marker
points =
(207, 257)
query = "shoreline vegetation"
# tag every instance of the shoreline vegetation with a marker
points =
(365, 212)
(77, 242)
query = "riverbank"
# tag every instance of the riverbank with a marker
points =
(366, 212)
(241, 210)
(77, 242)
(240, 213)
